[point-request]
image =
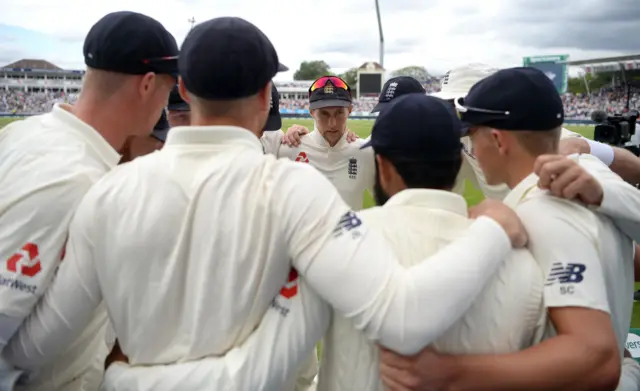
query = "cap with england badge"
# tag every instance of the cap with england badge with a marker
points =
(131, 43)
(513, 99)
(395, 87)
(176, 103)
(274, 121)
(227, 58)
(417, 127)
(329, 91)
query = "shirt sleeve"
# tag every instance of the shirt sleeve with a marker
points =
(356, 271)
(34, 231)
(267, 360)
(66, 307)
(271, 141)
(563, 240)
(620, 202)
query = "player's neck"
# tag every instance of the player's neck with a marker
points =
(519, 170)
(104, 118)
(246, 123)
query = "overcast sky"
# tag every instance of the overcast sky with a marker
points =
(436, 34)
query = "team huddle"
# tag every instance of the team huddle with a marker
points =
(216, 251)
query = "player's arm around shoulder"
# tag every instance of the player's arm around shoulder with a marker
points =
(272, 141)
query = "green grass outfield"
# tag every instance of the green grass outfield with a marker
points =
(473, 196)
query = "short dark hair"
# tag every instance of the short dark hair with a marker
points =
(427, 174)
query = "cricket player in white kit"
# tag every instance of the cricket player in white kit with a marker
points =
(218, 226)
(456, 84)
(47, 164)
(507, 317)
(587, 260)
(327, 149)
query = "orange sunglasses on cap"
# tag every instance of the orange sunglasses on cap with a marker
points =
(336, 81)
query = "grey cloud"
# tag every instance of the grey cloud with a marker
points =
(604, 25)
(368, 48)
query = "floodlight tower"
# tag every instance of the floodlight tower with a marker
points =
(192, 22)
(380, 33)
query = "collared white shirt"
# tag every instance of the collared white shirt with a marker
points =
(350, 169)
(507, 317)
(279, 337)
(586, 258)
(47, 164)
(218, 226)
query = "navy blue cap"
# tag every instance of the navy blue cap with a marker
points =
(395, 87)
(417, 127)
(176, 103)
(274, 121)
(330, 94)
(513, 99)
(131, 43)
(162, 127)
(226, 59)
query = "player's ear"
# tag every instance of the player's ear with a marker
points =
(385, 171)
(183, 90)
(350, 109)
(500, 140)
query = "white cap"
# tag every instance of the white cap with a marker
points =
(457, 82)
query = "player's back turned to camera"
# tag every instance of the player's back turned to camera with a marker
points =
(418, 155)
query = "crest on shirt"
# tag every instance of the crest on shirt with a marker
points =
(352, 168)
(302, 157)
(328, 88)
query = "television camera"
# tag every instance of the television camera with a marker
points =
(616, 130)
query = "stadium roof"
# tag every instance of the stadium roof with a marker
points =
(33, 64)
(371, 66)
(605, 60)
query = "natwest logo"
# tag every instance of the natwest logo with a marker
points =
(26, 261)
(302, 157)
(290, 289)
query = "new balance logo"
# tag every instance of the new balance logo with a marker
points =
(571, 273)
(348, 222)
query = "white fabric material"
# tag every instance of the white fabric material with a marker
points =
(47, 164)
(503, 319)
(160, 277)
(197, 375)
(602, 151)
(350, 169)
(457, 82)
(630, 376)
(587, 260)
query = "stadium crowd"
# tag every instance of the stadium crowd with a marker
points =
(577, 106)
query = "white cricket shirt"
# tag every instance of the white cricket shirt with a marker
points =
(218, 226)
(472, 172)
(47, 164)
(350, 169)
(586, 258)
(504, 318)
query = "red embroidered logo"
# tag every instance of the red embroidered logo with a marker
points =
(28, 260)
(302, 157)
(290, 289)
